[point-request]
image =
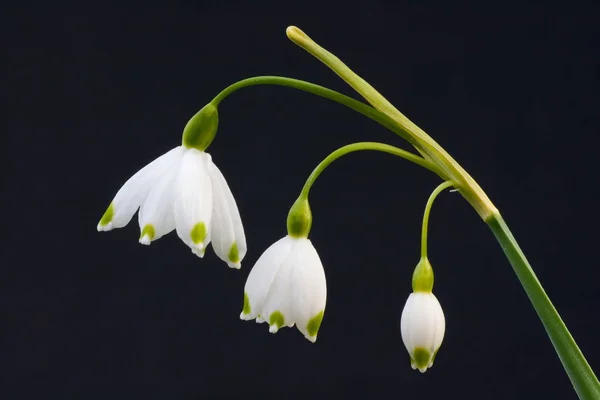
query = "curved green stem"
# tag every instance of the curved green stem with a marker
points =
(579, 371)
(361, 146)
(321, 91)
(430, 201)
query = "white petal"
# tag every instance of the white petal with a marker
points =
(278, 310)
(422, 322)
(156, 217)
(404, 322)
(262, 275)
(309, 288)
(132, 194)
(226, 224)
(440, 326)
(193, 201)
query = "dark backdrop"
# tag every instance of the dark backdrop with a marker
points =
(95, 92)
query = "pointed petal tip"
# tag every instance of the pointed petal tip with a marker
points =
(422, 370)
(104, 228)
(273, 328)
(233, 265)
(145, 240)
(199, 253)
(259, 320)
(311, 339)
(245, 317)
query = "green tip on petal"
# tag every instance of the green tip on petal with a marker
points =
(421, 358)
(277, 319)
(233, 254)
(433, 357)
(246, 309)
(198, 233)
(148, 234)
(313, 325)
(107, 217)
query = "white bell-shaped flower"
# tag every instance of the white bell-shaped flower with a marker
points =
(182, 190)
(423, 326)
(287, 286)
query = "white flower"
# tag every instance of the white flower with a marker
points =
(287, 286)
(182, 190)
(422, 325)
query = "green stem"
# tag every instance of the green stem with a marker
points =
(428, 206)
(321, 91)
(299, 220)
(360, 146)
(579, 371)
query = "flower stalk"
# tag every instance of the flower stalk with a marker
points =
(432, 197)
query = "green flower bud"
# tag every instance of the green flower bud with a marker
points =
(201, 129)
(299, 218)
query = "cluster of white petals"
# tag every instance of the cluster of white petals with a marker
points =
(422, 326)
(182, 190)
(287, 286)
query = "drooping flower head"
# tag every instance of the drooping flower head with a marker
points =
(422, 323)
(287, 285)
(183, 190)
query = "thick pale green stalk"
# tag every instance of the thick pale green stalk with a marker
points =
(465, 184)
(580, 373)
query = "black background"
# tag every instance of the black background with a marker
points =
(95, 92)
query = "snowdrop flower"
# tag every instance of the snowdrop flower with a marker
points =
(183, 190)
(422, 323)
(287, 284)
